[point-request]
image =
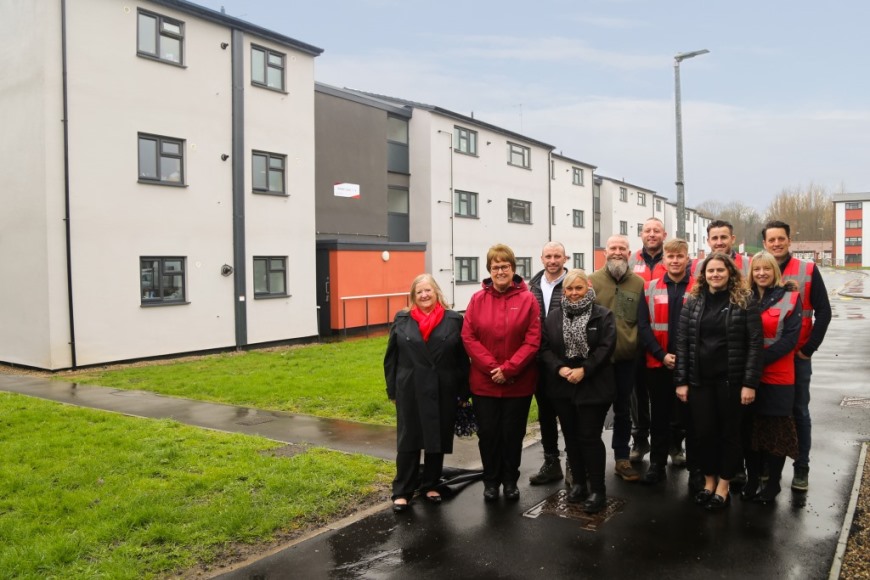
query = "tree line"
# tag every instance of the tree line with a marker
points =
(808, 210)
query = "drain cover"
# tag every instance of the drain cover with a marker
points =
(557, 505)
(255, 420)
(861, 402)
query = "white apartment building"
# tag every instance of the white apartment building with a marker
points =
(851, 232)
(695, 228)
(624, 209)
(572, 219)
(157, 184)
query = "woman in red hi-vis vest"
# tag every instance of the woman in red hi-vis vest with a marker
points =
(769, 428)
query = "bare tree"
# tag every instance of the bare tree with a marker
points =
(808, 210)
(745, 219)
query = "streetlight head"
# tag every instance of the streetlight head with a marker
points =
(684, 55)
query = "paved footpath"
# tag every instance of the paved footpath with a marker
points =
(646, 532)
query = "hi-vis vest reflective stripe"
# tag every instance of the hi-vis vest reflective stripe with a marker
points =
(780, 372)
(639, 267)
(739, 261)
(801, 272)
(659, 311)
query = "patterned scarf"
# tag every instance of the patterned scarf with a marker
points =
(575, 318)
(428, 322)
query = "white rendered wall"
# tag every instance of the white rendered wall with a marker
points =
(567, 197)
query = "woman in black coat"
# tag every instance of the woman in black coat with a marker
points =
(577, 343)
(426, 368)
(718, 367)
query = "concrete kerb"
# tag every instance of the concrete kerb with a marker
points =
(837, 564)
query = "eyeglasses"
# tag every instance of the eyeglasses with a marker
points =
(504, 268)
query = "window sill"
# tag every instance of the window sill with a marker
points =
(466, 217)
(271, 193)
(527, 168)
(167, 303)
(466, 153)
(153, 58)
(164, 183)
(271, 296)
(467, 282)
(521, 223)
(268, 88)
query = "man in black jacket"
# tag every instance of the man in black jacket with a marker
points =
(546, 285)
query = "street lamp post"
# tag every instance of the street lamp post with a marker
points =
(681, 193)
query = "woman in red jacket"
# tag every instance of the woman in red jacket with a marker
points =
(770, 435)
(502, 335)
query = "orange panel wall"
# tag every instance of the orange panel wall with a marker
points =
(364, 273)
(853, 214)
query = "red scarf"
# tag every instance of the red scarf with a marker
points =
(428, 322)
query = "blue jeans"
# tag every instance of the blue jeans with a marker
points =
(625, 371)
(803, 370)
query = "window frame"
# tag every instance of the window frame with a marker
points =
(579, 218)
(467, 264)
(854, 224)
(623, 228)
(160, 140)
(623, 194)
(577, 175)
(580, 260)
(524, 267)
(269, 270)
(658, 205)
(267, 52)
(853, 241)
(269, 156)
(853, 259)
(159, 33)
(853, 205)
(524, 206)
(641, 198)
(469, 138)
(472, 197)
(524, 152)
(158, 276)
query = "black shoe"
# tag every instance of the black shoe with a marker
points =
(697, 481)
(578, 493)
(769, 493)
(490, 493)
(717, 503)
(511, 493)
(401, 507)
(596, 502)
(751, 489)
(739, 478)
(655, 474)
(436, 499)
(703, 496)
(550, 471)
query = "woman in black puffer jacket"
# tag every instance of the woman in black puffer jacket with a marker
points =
(718, 367)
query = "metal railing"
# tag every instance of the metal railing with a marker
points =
(367, 297)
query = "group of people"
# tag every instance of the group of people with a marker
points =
(715, 353)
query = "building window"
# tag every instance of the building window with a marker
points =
(160, 37)
(161, 159)
(267, 68)
(466, 204)
(641, 198)
(579, 261)
(639, 229)
(270, 276)
(623, 228)
(519, 155)
(162, 280)
(466, 271)
(854, 259)
(519, 211)
(577, 176)
(465, 140)
(552, 169)
(694, 218)
(524, 268)
(658, 205)
(267, 172)
(854, 223)
(623, 194)
(579, 219)
(552, 215)
(853, 241)
(853, 205)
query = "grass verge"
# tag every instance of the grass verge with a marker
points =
(91, 494)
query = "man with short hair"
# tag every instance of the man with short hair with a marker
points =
(646, 263)
(721, 238)
(776, 237)
(546, 285)
(657, 324)
(621, 290)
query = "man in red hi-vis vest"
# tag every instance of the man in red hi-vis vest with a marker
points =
(658, 314)
(721, 238)
(646, 263)
(816, 316)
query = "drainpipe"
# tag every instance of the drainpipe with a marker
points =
(238, 156)
(452, 224)
(66, 216)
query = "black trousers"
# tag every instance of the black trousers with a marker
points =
(582, 426)
(501, 425)
(641, 403)
(668, 417)
(547, 420)
(716, 421)
(408, 476)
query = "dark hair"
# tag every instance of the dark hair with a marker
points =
(738, 287)
(719, 224)
(775, 224)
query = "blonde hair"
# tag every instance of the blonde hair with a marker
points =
(426, 277)
(766, 259)
(738, 288)
(676, 246)
(575, 274)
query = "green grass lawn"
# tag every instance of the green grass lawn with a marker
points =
(342, 380)
(90, 494)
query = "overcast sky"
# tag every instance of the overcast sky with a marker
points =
(782, 100)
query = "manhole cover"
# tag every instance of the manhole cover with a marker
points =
(255, 420)
(861, 402)
(557, 505)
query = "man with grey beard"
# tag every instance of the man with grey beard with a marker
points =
(621, 291)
